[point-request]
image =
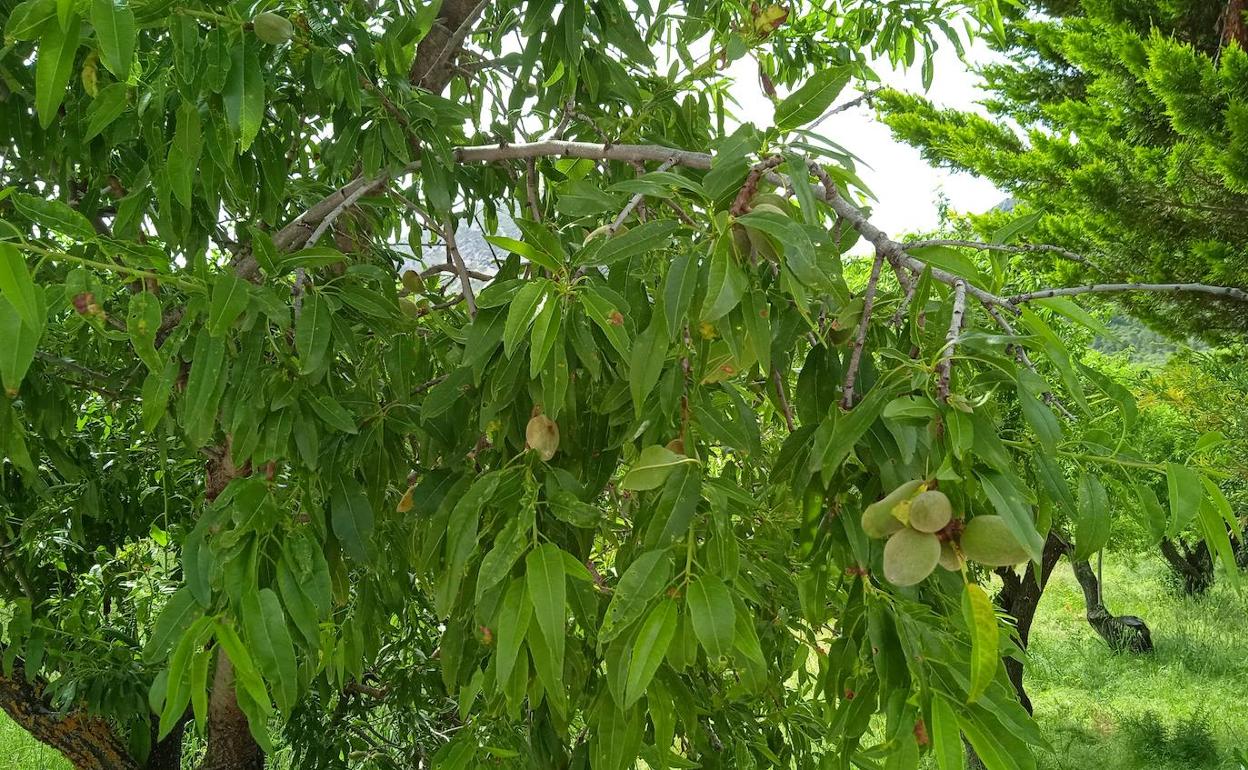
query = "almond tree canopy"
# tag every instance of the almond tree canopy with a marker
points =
(623, 499)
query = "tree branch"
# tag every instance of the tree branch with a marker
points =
(1027, 248)
(1222, 292)
(855, 358)
(637, 199)
(945, 367)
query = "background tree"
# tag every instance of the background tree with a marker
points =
(1123, 126)
(623, 485)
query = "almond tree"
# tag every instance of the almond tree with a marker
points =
(633, 480)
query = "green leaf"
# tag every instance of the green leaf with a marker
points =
(312, 333)
(18, 287)
(511, 626)
(609, 318)
(461, 532)
(982, 622)
(726, 282)
(18, 342)
(246, 675)
(713, 615)
(527, 251)
(1007, 497)
(644, 579)
(521, 312)
(1012, 230)
(547, 332)
(1186, 492)
(946, 736)
(1040, 418)
(179, 613)
(812, 99)
(547, 586)
(649, 649)
(244, 94)
(1155, 518)
(184, 151)
(26, 20)
(265, 625)
(850, 427)
(652, 467)
(1092, 527)
(143, 319)
(678, 289)
(208, 369)
(55, 215)
(649, 355)
(637, 242)
(106, 107)
(352, 518)
(334, 414)
(115, 31)
(229, 299)
(58, 48)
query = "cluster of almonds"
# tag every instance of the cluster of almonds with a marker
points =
(923, 532)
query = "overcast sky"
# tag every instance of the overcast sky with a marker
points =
(906, 186)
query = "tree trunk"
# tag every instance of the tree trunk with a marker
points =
(1020, 596)
(166, 754)
(86, 741)
(230, 744)
(1125, 633)
(1193, 566)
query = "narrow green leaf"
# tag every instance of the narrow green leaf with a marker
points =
(58, 48)
(726, 282)
(637, 242)
(244, 94)
(812, 99)
(352, 518)
(510, 628)
(649, 649)
(649, 355)
(1040, 418)
(1186, 492)
(106, 107)
(977, 610)
(184, 151)
(609, 317)
(264, 623)
(312, 333)
(55, 215)
(1007, 497)
(547, 332)
(644, 579)
(946, 736)
(18, 342)
(1092, 526)
(850, 427)
(229, 299)
(521, 313)
(17, 287)
(179, 613)
(652, 467)
(713, 615)
(678, 289)
(546, 581)
(115, 31)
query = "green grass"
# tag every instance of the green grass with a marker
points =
(19, 751)
(1184, 707)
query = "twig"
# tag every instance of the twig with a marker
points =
(680, 212)
(448, 268)
(945, 367)
(784, 400)
(1026, 248)
(637, 199)
(530, 187)
(741, 204)
(849, 105)
(855, 358)
(899, 316)
(1225, 292)
(453, 255)
(329, 218)
(1020, 353)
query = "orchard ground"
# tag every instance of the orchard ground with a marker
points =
(1181, 707)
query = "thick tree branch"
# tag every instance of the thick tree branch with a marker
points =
(431, 68)
(1222, 292)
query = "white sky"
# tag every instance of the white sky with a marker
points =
(905, 185)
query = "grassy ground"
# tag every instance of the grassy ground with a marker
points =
(1185, 707)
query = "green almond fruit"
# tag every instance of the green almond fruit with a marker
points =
(988, 541)
(878, 520)
(949, 558)
(910, 556)
(272, 28)
(930, 511)
(412, 281)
